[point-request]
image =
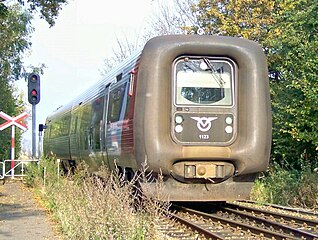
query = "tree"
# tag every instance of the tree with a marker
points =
(49, 9)
(287, 30)
(125, 47)
(241, 18)
(170, 17)
(14, 41)
(295, 97)
(15, 33)
(16, 30)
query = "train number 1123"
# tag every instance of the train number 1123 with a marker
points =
(204, 136)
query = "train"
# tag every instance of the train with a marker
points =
(194, 109)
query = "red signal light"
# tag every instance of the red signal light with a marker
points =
(34, 92)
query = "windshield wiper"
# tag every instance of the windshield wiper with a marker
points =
(215, 74)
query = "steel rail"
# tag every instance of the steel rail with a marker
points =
(290, 209)
(201, 230)
(287, 217)
(278, 226)
(247, 227)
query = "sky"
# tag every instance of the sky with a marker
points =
(73, 50)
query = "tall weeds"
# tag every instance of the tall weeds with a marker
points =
(90, 207)
(289, 187)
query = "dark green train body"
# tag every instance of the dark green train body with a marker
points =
(195, 108)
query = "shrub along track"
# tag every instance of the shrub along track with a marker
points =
(239, 221)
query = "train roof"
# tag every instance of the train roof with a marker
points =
(98, 87)
(127, 65)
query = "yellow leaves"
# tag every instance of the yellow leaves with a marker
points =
(245, 18)
(287, 5)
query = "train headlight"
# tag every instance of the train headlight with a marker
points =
(229, 129)
(229, 120)
(178, 129)
(179, 119)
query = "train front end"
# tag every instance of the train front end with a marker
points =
(202, 116)
(204, 113)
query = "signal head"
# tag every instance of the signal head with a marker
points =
(34, 88)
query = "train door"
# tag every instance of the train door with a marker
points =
(89, 131)
(114, 122)
(95, 132)
(74, 138)
(103, 126)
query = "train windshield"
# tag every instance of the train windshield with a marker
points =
(203, 81)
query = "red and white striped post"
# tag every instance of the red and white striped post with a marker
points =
(13, 121)
(12, 149)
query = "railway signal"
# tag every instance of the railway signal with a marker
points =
(34, 98)
(34, 88)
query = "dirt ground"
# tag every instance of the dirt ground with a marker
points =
(21, 216)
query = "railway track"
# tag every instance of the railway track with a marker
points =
(237, 221)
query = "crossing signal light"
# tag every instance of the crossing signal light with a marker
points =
(34, 88)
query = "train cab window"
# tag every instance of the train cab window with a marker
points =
(203, 81)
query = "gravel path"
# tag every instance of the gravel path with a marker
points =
(21, 217)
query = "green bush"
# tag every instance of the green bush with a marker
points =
(38, 173)
(297, 188)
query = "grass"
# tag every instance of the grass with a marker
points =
(288, 187)
(90, 207)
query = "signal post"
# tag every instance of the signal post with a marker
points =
(34, 98)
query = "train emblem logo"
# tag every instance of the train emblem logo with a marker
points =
(204, 124)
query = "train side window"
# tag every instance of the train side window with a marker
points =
(116, 98)
(60, 128)
(75, 121)
(86, 139)
(74, 130)
(128, 108)
(96, 122)
(66, 125)
(52, 132)
(86, 112)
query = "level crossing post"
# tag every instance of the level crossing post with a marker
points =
(12, 149)
(13, 121)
